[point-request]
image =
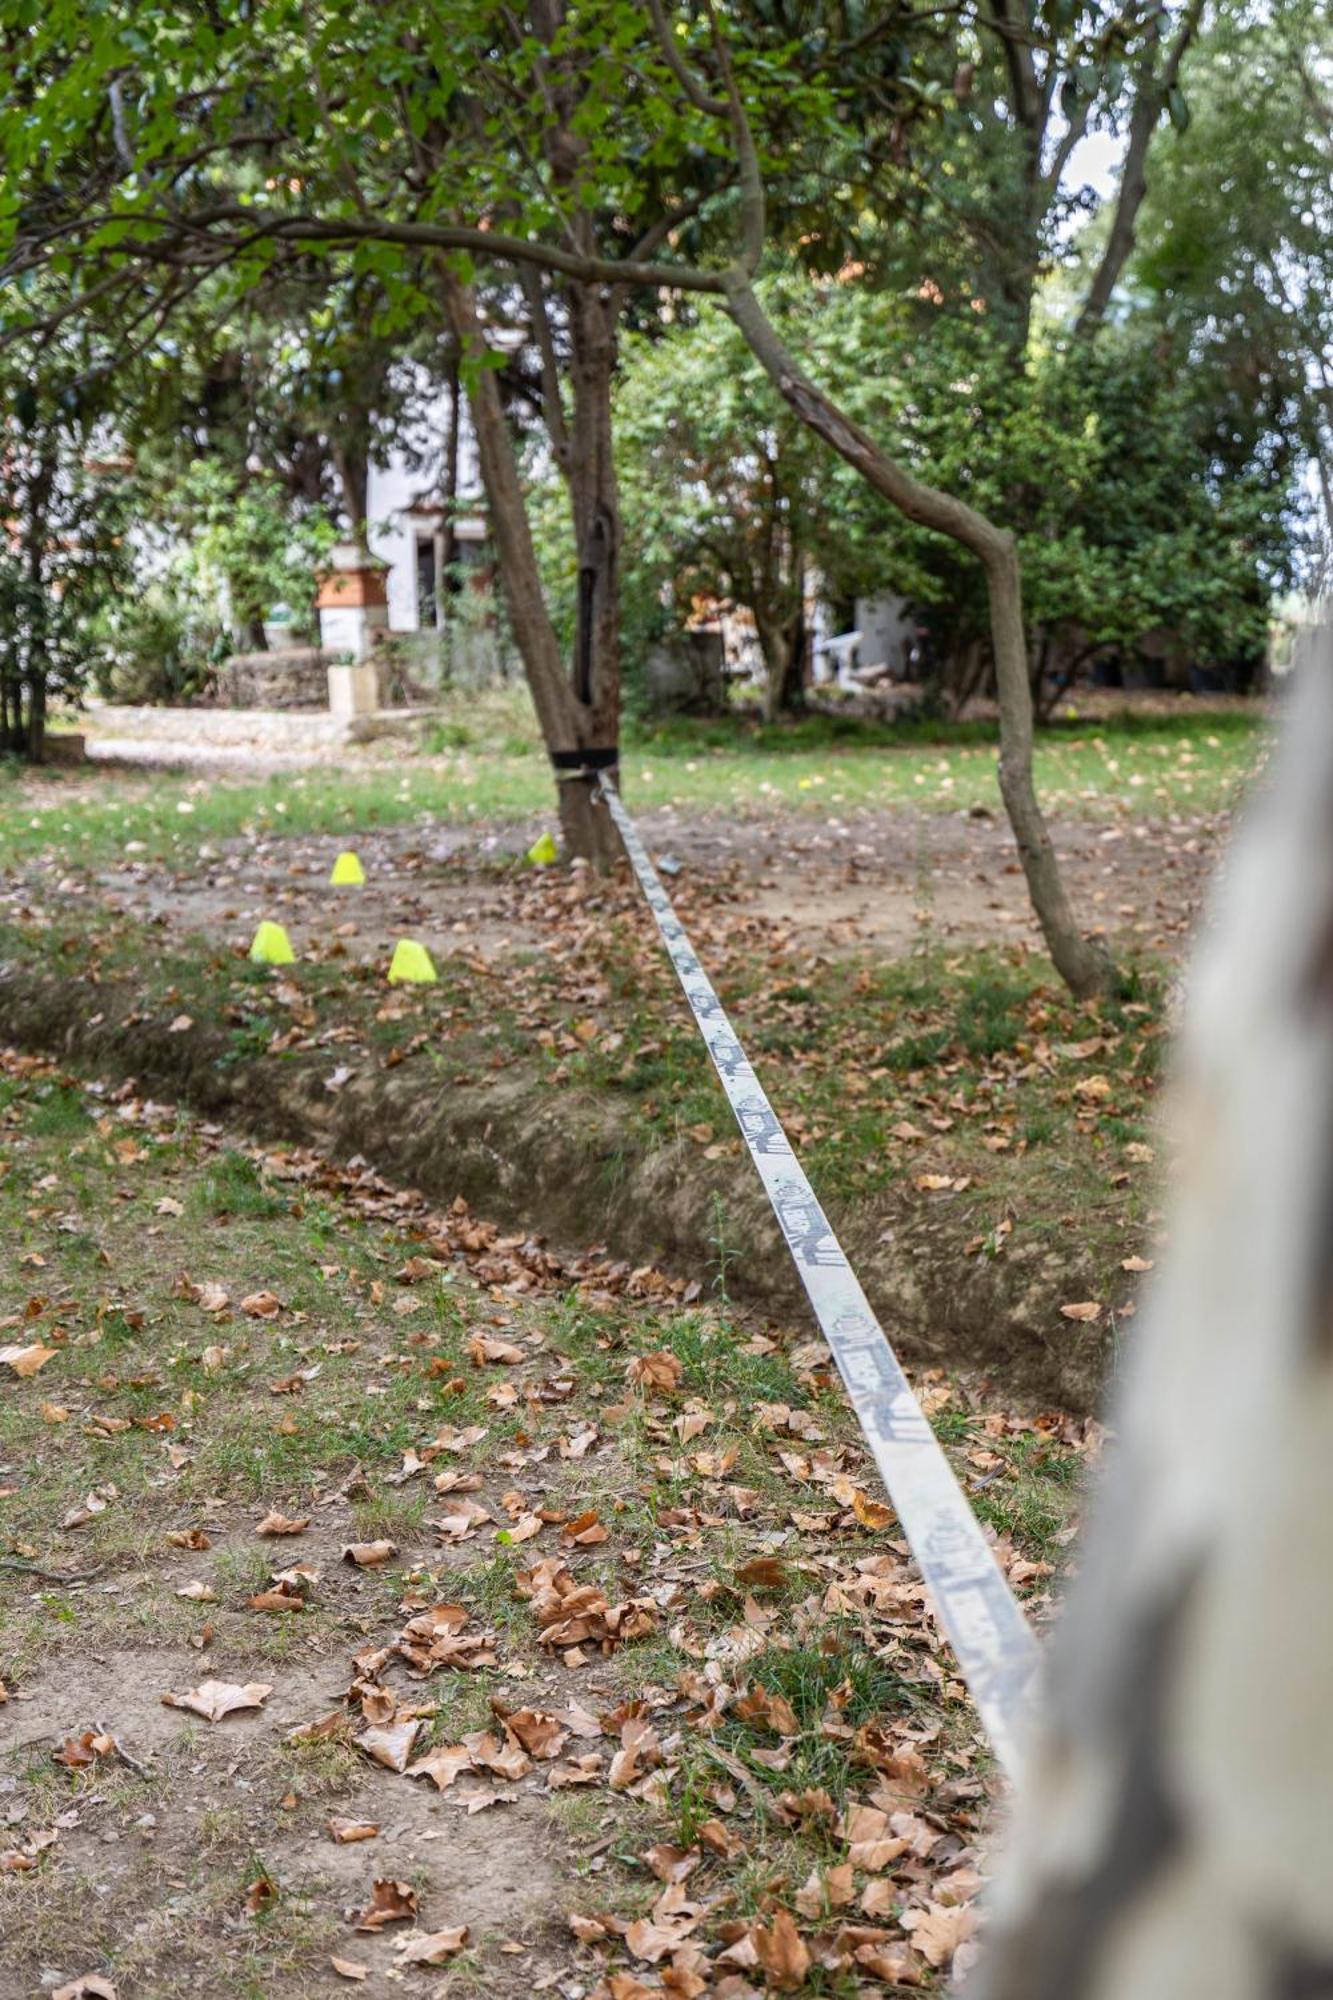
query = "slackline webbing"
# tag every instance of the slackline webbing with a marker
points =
(993, 1642)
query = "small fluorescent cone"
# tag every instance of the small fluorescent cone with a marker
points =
(272, 946)
(411, 965)
(543, 852)
(347, 871)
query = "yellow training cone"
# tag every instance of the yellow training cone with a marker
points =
(272, 946)
(543, 852)
(347, 871)
(411, 965)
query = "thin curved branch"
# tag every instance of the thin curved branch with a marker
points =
(298, 230)
(754, 216)
(1155, 87)
(713, 107)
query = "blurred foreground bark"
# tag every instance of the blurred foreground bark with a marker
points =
(1174, 1839)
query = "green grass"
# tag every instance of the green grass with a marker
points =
(132, 1348)
(233, 1187)
(1192, 762)
(965, 1063)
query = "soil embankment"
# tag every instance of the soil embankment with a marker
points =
(576, 1169)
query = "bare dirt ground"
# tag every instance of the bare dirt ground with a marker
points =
(868, 882)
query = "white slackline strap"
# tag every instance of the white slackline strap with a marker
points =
(992, 1639)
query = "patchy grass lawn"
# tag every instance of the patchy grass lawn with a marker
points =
(964, 1087)
(627, 1673)
(492, 768)
(605, 1571)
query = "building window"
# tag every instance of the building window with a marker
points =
(428, 614)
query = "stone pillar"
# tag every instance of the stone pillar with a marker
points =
(354, 690)
(353, 603)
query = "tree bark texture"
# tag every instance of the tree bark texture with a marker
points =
(595, 503)
(566, 723)
(449, 540)
(353, 469)
(782, 643)
(1156, 81)
(31, 717)
(1174, 1837)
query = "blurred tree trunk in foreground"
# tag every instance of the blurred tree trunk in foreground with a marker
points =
(1174, 1839)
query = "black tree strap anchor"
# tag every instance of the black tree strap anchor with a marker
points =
(570, 765)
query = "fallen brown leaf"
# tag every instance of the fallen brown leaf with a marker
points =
(369, 1555)
(763, 1573)
(432, 1947)
(78, 1752)
(444, 1764)
(280, 1598)
(25, 1361)
(328, 1727)
(483, 1349)
(214, 1699)
(390, 1903)
(79, 1517)
(391, 1743)
(540, 1734)
(938, 1930)
(782, 1952)
(872, 1844)
(188, 1538)
(763, 1709)
(872, 1513)
(260, 1895)
(275, 1523)
(659, 1373)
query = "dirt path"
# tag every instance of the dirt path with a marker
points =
(867, 882)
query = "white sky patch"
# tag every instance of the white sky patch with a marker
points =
(1095, 163)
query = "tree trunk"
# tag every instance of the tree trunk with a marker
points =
(449, 547)
(34, 734)
(595, 504)
(1173, 1838)
(1154, 87)
(353, 469)
(782, 643)
(566, 724)
(1085, 966)
(31, 726)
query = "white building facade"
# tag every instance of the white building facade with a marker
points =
(405, 512)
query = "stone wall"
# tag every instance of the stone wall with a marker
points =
(686, 671)
(287, 677)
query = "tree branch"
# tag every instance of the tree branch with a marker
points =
(553, 408)
(1155, 86)
(216, 248)
(713, 107)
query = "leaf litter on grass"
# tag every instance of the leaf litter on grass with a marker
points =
(676, 1611)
